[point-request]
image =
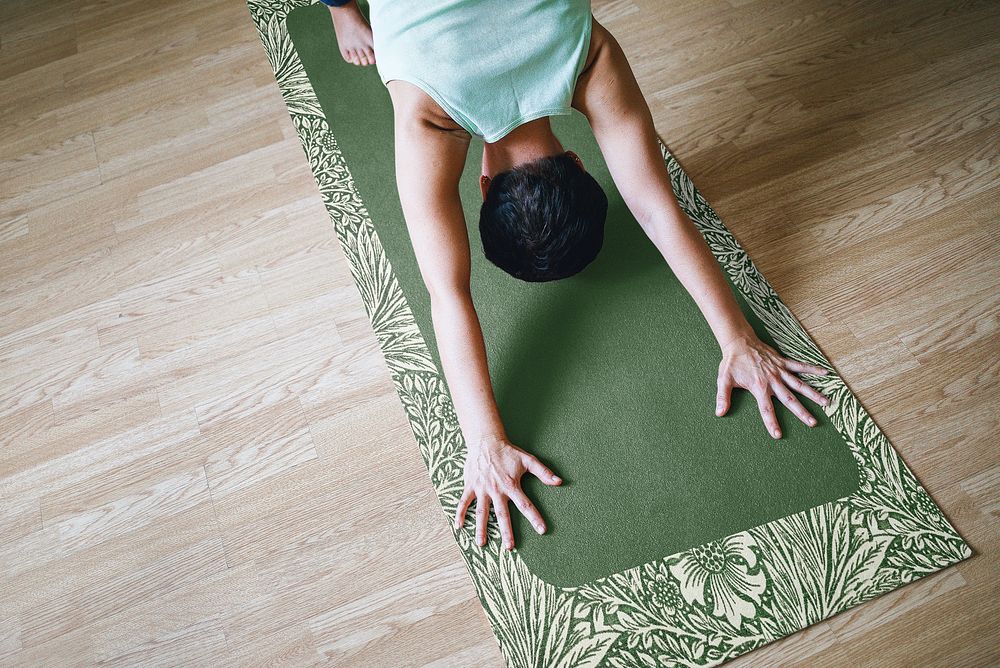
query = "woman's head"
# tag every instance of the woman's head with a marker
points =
(543, 220)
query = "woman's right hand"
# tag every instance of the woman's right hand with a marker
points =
(493, 470)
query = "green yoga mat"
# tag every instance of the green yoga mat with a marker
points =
(608, 376)
(678, 536)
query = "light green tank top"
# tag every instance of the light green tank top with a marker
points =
(492, 65)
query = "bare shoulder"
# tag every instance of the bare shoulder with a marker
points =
(599, 35)
(605, 89)
(412, 103)
(587, 82)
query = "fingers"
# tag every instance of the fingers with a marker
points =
(463, 507)
(495, 486)
(499, 503)
(503, 521)
(763, 396)
(482, 518)
(805, 388)
(483, 502)
(725, 386)
(786, 397)
(802, 367)
(527, 509)
(540, 470)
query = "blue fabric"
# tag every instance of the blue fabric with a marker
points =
(334, 3)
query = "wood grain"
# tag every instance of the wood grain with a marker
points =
(203, 459)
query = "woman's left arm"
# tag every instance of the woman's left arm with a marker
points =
(608, 94)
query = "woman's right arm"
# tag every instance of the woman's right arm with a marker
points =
(429, 164)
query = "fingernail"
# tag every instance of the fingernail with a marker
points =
(557, 479)
(812, 423)
(540, 528)
(776, 433)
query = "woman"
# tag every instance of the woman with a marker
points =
(497, 70)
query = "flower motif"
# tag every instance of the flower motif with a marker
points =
(665, 594)
(444, 410)
(722, 569)
(327, 140)
(925, 504)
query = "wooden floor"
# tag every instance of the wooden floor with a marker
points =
(203, 459)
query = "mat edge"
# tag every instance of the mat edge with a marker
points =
(296, 94)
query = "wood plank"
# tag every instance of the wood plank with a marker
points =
(202, 457)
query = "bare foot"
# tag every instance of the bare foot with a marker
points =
(354, 35)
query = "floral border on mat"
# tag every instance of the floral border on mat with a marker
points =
(701, 606)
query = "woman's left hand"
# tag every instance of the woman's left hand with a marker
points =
(750, 363)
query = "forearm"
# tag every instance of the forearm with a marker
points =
(691, 260)
(463, 356)
(646, 187)
(623, 126)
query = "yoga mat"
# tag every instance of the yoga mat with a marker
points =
(678, 536)
(608, 376)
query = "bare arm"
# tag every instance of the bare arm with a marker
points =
(610, 97)
(429, 162)
(623, 126)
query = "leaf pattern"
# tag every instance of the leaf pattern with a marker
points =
(702, 606)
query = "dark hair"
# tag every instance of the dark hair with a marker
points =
(543, 220)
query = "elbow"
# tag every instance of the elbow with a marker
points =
(447, 294)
